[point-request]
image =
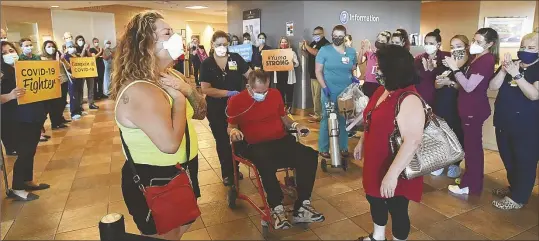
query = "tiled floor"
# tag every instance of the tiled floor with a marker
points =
(82, 163)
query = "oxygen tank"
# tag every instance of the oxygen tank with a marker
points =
(334, 150)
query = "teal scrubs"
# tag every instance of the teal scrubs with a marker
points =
(337, 75)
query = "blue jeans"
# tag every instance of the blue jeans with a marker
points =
(75, 96)
(323, 140)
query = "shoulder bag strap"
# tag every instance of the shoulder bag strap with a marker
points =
(131, 163)
(427, 109)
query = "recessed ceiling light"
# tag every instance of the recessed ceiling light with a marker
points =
(196, 7)
(55, 6)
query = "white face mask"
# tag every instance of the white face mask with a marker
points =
(348, 44)
(430, 49)
(50, 50)
(96, 44)
(476, 49)
(10, 58)
(80, 43)
(71, 50)
(69, 40)
(3, 39)
(107, 45)
(246, 41)
(220, 51)
(27, 50)
(261, 41)
(174, 46)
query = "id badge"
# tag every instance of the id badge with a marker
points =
(232, 65)
(345, 60)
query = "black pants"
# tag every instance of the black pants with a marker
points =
(23, 170)
(195, 61)
(192, 167)
(179, 66)
(283, 153)
(9, 134)
(520, 153)
(135, 200)
(287, 90)
(218, 126)
(398, 208)
(98, 82)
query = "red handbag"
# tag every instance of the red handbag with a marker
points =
(172, 205)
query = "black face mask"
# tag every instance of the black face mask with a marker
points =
(379, 45)
(338, 41)
(380, 78)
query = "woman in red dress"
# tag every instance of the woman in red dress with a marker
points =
(385, 191)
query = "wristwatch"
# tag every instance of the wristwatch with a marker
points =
(518, 76)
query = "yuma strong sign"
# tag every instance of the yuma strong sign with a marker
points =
(83, 67)
(40, 79)
(278, 60)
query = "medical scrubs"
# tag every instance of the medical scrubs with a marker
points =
(516, 119)
(337, 76)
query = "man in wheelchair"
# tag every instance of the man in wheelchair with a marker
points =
(260, 114)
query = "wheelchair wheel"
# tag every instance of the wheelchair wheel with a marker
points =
(324, 165)
(231, 197)
(265, 230)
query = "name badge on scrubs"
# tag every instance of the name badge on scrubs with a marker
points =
(345, 60)
(232, 65)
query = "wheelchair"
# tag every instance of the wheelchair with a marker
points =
(288, 187)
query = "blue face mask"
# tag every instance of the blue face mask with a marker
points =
(316, 38)
(527, 57)
(259, 97)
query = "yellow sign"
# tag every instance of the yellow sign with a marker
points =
(83, 67)
(278, 60)
(40, 79)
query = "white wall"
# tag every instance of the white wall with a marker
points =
(87, 24)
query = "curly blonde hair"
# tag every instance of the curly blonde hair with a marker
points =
(134, 58)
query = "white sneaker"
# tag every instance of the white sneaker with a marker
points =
(76, 117)
(457, 190)
(307, 214)
(437, 172)
(279, 218)
(84, 113)
(453, 171)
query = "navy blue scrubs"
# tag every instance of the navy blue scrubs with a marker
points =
(446, 107)
(516, 119)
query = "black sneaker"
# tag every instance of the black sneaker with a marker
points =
(279, 218)
(94, 107)
(307, 214)
(61, 126)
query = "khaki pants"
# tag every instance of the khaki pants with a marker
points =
(316, 91)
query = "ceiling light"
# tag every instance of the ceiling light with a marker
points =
(55, 6)
(196, 7)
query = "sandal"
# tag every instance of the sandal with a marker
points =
(370, 237)
(501, 192)
(507, 204)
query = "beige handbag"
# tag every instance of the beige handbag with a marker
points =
(439, 147)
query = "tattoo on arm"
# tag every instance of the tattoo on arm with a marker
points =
(125, 99)
(198, 103)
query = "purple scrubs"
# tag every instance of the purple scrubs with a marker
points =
(426, 88)
(474, 109)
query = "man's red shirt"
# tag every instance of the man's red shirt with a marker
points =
(262, 122)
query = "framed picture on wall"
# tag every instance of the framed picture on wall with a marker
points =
(510, 29)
